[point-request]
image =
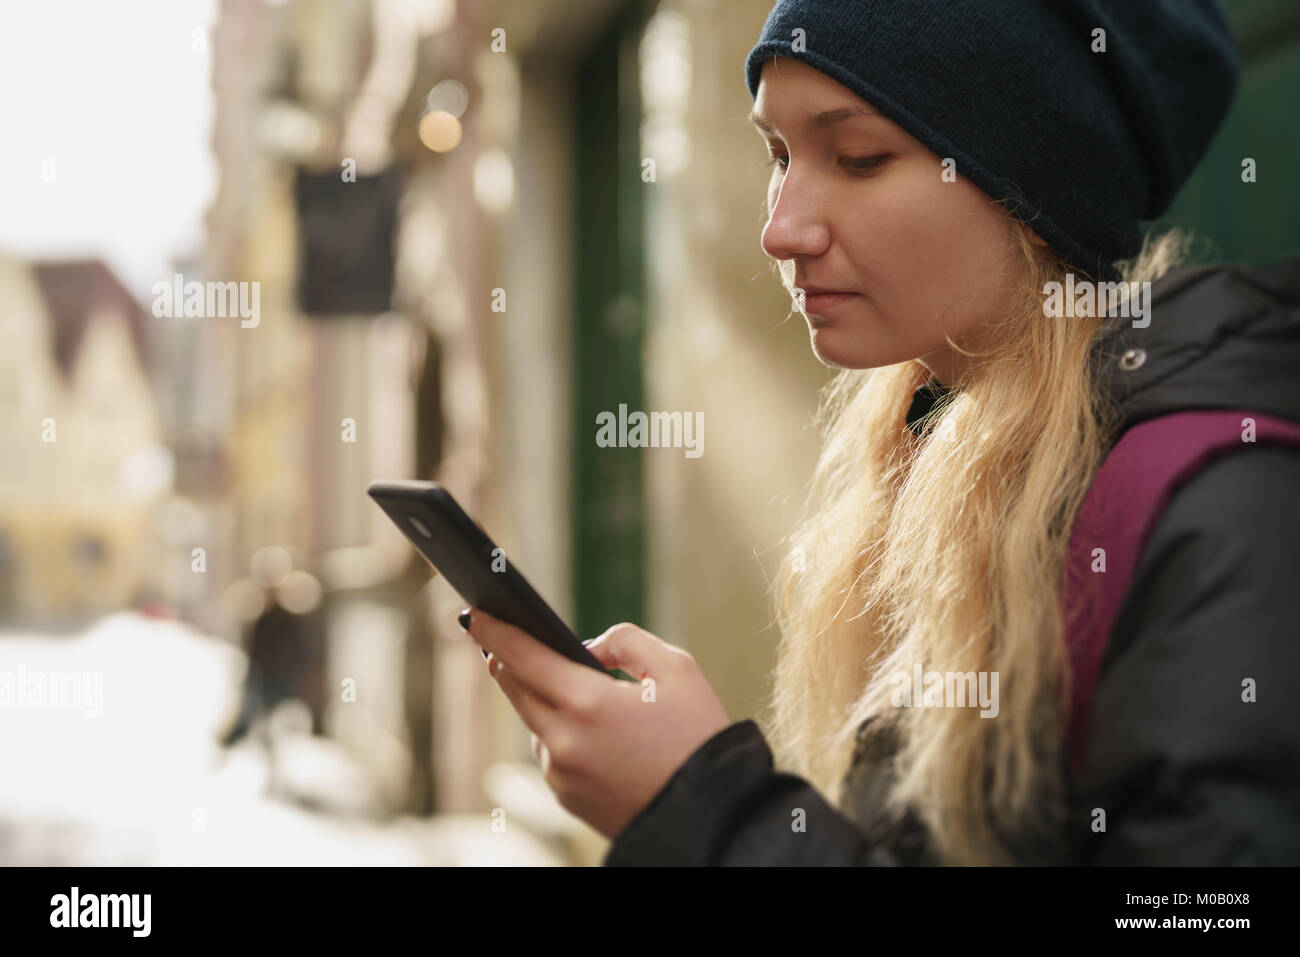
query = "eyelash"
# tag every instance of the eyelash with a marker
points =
(859, 164)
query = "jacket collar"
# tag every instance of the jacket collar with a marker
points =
(1218, 336)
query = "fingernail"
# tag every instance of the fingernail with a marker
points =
(463, 618)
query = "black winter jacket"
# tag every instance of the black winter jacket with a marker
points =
(1185, 772)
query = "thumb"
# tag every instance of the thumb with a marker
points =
(630, 648)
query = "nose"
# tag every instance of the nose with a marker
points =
(797, 225)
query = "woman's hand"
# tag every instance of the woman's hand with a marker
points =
(606, 746)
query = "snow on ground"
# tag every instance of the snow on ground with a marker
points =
(119, 764)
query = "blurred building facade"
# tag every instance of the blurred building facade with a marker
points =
(540, 275)
(82, 444)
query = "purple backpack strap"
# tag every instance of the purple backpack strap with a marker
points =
(1127, 496)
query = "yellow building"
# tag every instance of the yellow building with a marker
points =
(84, 462)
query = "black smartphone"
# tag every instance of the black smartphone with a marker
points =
(462, 552)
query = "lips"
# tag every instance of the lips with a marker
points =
(824, 291)
(818, 299)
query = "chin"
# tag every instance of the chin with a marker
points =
(839, 351)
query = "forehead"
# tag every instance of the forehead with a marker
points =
(791, 92)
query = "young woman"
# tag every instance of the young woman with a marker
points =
(937, 168)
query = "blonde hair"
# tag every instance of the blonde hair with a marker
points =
(946, 550)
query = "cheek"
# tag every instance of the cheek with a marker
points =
(922, 222)
(933, 258)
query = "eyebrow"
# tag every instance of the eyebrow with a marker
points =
(823, 119)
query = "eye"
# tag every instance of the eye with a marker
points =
(859, 164)
(862, 164)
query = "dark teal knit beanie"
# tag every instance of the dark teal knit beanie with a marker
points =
(1019, 93)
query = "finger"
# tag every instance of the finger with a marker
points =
(626, 646)
(544, 671)
(538, 714)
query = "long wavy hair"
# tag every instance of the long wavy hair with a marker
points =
(946, 549)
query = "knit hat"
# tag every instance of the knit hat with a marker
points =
(1083, 144)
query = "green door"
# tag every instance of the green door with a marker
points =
(609, 534)
(1255, 222)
